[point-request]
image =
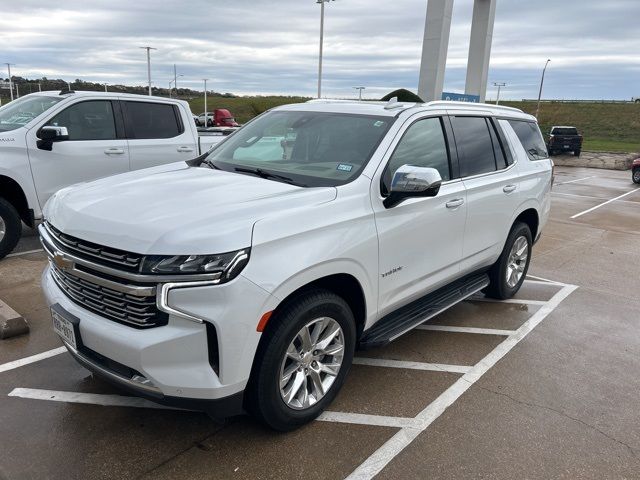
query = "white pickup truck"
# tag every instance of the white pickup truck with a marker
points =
(51, 140)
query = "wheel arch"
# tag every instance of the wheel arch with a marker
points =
(13, 193)
(530, 217)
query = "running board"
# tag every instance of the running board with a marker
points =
(419, 311)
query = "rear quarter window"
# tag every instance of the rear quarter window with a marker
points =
(531, 139)
(147, 120)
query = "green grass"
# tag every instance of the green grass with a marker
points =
(607, 127)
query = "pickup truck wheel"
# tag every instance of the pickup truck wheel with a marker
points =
(10, 227)
(303, 361)
(636, 175)
(509, 272)
(577, 153)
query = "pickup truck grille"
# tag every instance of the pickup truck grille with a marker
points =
(110, 257)
(140, 312)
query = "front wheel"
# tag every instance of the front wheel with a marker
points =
(636, 175)
(508, 273)
(303, 360)
(577, 153)
(10, 227)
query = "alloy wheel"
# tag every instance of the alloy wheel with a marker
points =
(3, 229)
(517, 261)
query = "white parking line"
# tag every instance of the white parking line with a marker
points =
(552, 282)
(33, 358)
(387, 452)
(516, 301)
(18, 254)
(374, 420)
(479, 331)
(576, 180)
(604, 203)
(430, 367)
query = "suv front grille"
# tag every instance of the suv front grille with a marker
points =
(110, 257)
(140, 312)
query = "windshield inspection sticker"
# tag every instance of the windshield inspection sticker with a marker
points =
(379, 123)
(345, 167)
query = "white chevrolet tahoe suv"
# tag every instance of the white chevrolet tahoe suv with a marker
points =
(245, 280)
(51, 140)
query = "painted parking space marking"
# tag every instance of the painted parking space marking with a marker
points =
(430, 367)
(396, 444)
(372, 420)
(5, 367)
(576, 180)
(27, 252)
(477, 331)
(578, 215)
(517, 301)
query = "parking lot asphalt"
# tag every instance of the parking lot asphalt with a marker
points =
(545, 385)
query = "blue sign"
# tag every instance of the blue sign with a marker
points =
(460, 97)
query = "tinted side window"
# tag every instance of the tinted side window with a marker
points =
(497, 147)
(91, 120)
(152, 120)
(531, 139)
(423, 145)
(475, 148)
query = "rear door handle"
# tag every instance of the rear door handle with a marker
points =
(114, 151)
(455, 203)
(185, 149)
(509, 188)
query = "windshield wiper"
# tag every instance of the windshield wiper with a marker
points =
(264, 174)
(210, 164)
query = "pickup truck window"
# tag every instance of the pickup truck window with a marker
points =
(146, 120)
(90, 120)
(422, 145)
(531, 139)
(476, 152)
(20, 112)
(564, 131)
(309, 149)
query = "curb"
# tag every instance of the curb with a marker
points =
(12, 323)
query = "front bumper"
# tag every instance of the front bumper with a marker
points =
(174, 358)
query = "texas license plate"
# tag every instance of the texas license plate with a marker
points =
(64, 328)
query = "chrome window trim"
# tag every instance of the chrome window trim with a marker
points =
(486, 174)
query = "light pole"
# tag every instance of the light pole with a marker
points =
(499, 85)
(148, 49)
(360, 89)
(174, 81)
(10, 81)
(105, 87)
(541, 85)
(321, 2)
(206, 112)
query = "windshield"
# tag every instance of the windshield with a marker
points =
(308, 149)
(20, 112)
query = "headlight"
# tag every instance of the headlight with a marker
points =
(227, 265)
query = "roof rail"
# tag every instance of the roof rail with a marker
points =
(66, 91)
(445, 103)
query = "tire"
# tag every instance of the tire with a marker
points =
(499, 287)
(264, 398)
(577, 153)
(10, 228)
(636, 175)
(210, 123)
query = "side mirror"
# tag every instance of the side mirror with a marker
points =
(411, 181)
(50, 134)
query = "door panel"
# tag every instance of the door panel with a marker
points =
(92, 151)
(420, 240)
(156, 135)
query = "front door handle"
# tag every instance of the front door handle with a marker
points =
(185, 149)
(114, 151)
(455, 203)
(509, 188)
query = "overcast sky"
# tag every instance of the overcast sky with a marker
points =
(271, 46)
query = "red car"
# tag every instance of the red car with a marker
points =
(635, 169)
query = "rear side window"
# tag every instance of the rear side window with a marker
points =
(422, 145)
(152, 120)
(91, 120)
(531, 139)
(476, 152)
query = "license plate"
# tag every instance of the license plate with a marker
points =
(64, 328)
(567, 146)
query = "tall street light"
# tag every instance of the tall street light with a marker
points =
(499, 85)
(148, 49)
(10, 81)
(321, 2)
(173, 82)
(360, 89)
(541, 85)
(206, 112)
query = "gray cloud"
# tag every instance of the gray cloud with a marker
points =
(265, 46)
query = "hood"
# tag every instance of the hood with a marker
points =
(175, 209)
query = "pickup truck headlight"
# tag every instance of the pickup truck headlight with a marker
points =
(227, 265)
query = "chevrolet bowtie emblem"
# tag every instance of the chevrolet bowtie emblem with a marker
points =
(61, 261)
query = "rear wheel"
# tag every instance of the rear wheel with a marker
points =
(509, 272)
(10, 227)
(636, 175)
(577, 153)
(303, 360)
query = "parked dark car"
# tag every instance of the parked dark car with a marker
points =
(635, 169)
(565, 139)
